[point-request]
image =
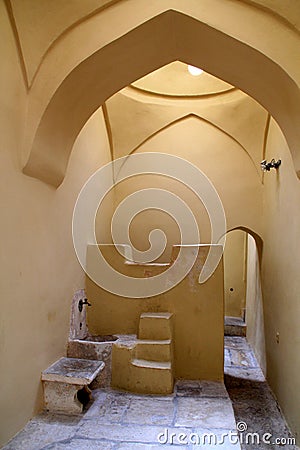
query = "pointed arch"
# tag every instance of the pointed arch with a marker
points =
(167, 37)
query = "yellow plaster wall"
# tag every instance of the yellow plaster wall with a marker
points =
(39, 269)
(254, 304)
(221, 159)
(235, 273)
(41, 23)
(198, 314)
(281, 281)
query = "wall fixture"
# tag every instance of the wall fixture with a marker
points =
(83, 302)
(195, 71)
(267, 166)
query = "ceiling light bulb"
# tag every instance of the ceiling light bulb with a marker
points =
(195, 71)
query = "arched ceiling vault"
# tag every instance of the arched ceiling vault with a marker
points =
(41, 25)
(167, 37)
(200, 119)
(133, 117)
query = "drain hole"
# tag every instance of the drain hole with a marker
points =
(84, 395)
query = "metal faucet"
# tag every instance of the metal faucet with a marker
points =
(83, 302)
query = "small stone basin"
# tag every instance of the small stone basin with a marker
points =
(95, 348)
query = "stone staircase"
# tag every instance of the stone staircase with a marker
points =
(143, 364)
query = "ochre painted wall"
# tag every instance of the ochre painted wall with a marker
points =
(254, 304)
(280, 277)
(235, 273)
(198, 309)
(39, 269)
(220, 158)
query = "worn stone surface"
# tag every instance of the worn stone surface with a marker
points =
(118, 420)
(184, 388)
(63, 384)
(145, 410)
(82, 444)
(253, 402)
(213, 389)
(234, 326)
(73, 371)
(194, 388)
(109, 407)
(236, 342)
(78, 328)
(93, 350)
(242, 358)
(62, 397)
(44, 430)
(122, 433)
(205, 412)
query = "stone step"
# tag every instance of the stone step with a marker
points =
(155, 326)
(234, 326)
(159, 365)
(154, 350)
(152, 377)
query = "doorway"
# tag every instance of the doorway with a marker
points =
(244, 315)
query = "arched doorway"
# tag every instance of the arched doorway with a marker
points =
(244, 315)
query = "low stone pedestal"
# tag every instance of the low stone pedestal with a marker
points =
(66, 384)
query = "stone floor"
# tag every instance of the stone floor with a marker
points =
(122, 421)
(252, 399)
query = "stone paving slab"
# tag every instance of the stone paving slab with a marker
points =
(213, 389)
(150, 412)
(239, 376)
(108, 408)
(144, 434)
(242, 358)
(185, 388)
(43, 431)
(237, 342)
(194, 388)
(82, 444)
(205, 412)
